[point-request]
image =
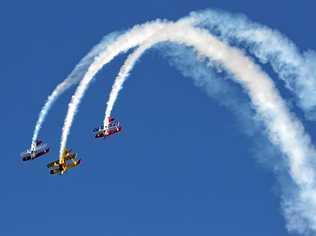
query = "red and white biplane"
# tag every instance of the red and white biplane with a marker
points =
(113, 126)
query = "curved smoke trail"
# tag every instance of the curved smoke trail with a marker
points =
(72, 79)
(122, 76)
(132, 38)
(296, 69)
(283, 128)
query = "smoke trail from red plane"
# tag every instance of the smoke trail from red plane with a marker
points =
(283, 128)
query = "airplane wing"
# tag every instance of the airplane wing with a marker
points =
(65, 168)
(41, 148)
(26, 156)
(55, 171)
(70, 157)
(99, 128)
(73, 164)
(53, 164)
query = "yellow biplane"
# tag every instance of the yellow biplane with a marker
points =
(67, 161)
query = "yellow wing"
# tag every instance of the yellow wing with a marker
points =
(53, 164)
(55, 171)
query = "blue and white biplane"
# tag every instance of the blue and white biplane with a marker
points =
(38, 150)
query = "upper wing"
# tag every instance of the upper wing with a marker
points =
(40, 148)
(71, 156)
(73, 164)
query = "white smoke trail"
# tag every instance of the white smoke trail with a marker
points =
(71, 80)
(283, 128)
(131, 39)
(121, 77)
(296, 69)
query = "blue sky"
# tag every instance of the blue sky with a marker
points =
(182, 166)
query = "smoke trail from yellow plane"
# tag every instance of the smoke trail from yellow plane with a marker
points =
(71, 80)
(132, 38)
(283, 128)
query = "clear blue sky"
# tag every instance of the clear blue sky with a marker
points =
(182, 166)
